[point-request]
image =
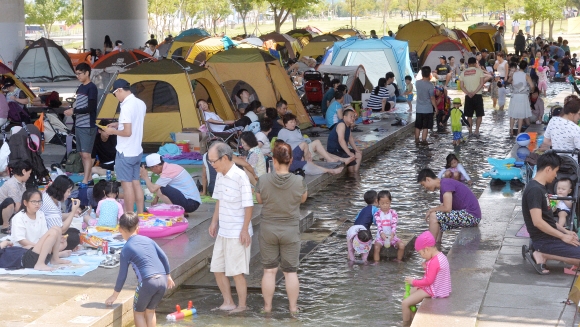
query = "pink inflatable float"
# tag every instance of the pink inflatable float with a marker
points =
(162, 220)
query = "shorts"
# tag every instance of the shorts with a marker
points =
(457, 136)
(555, 246)
(423, 121)
(455, 219)
(176, 197)
(30, 258)
(85, 138)
(410, 97)
(394, 240)
(230, 257)
(5, 204)
(280, 246)
(149, 293)
(342, 154)
(474, 105)
(127, 168)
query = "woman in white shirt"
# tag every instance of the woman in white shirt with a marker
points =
(501, 66)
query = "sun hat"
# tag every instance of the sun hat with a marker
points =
(361, 247)
(424, 240)
(456, 100)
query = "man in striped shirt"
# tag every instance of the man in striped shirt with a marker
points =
(233, 212)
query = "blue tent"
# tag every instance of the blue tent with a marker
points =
(192, 31)
(378, 56)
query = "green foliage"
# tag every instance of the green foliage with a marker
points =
(449, 10)
(243, 7)
(46, 12)
(282, 9)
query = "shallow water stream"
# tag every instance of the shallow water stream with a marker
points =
(332, 293)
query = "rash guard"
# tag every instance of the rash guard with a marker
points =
(437, 279)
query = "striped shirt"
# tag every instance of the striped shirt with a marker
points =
(52, 211)
(375, 100)
(234, 192)
(84, 94)
(437, 279)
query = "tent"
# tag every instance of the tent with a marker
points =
(7, 72)
(318, 45)
(354, 77)
(347, 32)
(464, 38)
(261, 74)
(164, 48)
(44, 61)
(287, 45)
(417, 31)
(204, 49)
(170, 89)
(438, 46)
(253, 41)
(180, 48)
(77, 58)
(302, 35)
(482, 40)
(378, 56)
(192, 31)
(482, 27)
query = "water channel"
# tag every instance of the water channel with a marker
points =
(332, 293)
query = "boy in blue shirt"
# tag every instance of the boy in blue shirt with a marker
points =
(366, 216)
(151, 267)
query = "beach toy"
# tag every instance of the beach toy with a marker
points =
(407, 293)
(522, 152)
(540, 140)
(523, 139)
(166, 210)
(180, 314)
(157, 226)
(533, 136)
(503, 169)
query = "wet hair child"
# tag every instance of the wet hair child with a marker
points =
(109, 210)
(436, 283)
(501, 94)
(409, 92)
(386, 220)
(562, 209)
(453, 169)
(151, 268)
(359, 240)
(365, 217)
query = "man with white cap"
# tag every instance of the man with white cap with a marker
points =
(175, 185)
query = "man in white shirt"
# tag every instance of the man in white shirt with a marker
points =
(233, 212)
(129, 131)
(151, 49)
(118, 45)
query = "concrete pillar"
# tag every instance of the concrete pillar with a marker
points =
(124, 20)
(12, 30)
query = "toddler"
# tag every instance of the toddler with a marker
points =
(436, 283)
(574, 61)
(453, 169)
(409, 92)
(456, 118)
(109, 210)
(359, 240)
(255, 157)
(442, 109)
(562, 209)
(365, 217)
(501, 93)
(386, 220)
(542, 79)
(493, 89)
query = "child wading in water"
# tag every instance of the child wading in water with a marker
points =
(359, 240)
(501, 94)
(409, 92)
(151, 267)
(386, 220)
(453, 169)
(456, 118)
(436, 283)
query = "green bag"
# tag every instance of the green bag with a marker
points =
(74, 163)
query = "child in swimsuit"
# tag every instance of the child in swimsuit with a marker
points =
(453, 169)
(386, 220)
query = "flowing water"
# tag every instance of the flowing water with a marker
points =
(334, 293)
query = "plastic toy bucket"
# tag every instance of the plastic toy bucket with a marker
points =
(533, 136)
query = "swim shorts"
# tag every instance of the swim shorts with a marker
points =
(149, 293)
(455, 219)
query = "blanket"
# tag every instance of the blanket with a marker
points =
(79, 266)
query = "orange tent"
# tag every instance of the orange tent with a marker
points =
(77, 58)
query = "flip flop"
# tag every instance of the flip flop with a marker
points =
(539, 267)
(525, 250)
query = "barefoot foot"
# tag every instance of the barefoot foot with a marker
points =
(225, 307)
(56, 261)
(238, 309)
(64, 254)
(335, 171)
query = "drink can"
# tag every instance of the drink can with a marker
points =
(105, 247)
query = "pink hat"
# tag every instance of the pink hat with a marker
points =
(424, 240)
(540, 69)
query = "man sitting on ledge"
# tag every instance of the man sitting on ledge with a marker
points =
(550, 241)
(459, 206)
(174, 186)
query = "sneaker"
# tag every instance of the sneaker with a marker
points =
(82, 185)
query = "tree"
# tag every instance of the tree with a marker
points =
(160, 12)
(73, 12)
(243, 7)
(414, 7)
(44, 13)
(282, 8)
(448, 9)
(216, 10)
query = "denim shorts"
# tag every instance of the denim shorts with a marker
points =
(555, 246)
(127, 168)
(410, 97)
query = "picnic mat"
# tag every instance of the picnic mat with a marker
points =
(79, 266)
(319, 120)
(209, 199)
(523, 232)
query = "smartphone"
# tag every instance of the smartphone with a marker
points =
(85, 211)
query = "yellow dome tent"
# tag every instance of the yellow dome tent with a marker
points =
(318, 45)
(180, 48)
(418, 31)
(204, 49)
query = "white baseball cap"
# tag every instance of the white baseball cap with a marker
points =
(152, 160)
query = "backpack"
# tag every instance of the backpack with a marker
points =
(74, 163)
(17, 114)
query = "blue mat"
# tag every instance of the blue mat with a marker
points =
(177, 162)
(319, 120)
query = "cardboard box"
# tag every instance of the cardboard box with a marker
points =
(196, 140)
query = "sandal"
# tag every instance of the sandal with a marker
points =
(540, 268)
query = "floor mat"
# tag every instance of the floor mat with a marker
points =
(523, 232)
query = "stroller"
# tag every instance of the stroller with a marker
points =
(313, 87)
(56, 132)
(25, 145)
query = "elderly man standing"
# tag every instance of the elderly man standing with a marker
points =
(233, 212)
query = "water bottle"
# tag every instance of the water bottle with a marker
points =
(108, 179)
(387, 231)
